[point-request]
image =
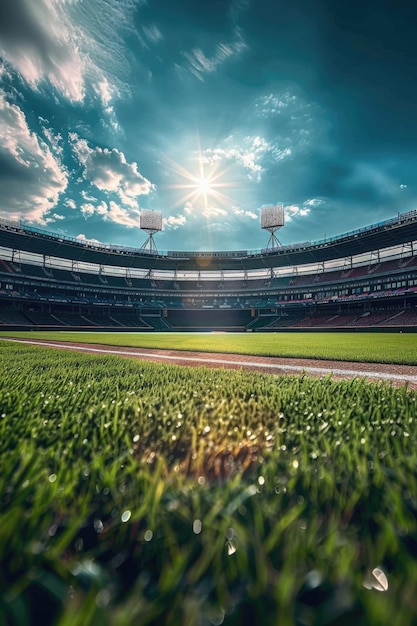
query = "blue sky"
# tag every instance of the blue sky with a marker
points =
(207, 110)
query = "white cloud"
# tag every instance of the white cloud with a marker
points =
(295, 120)
(271, 104)
(88, 209)
(70, 203)
(249, 153)
(198, 63)
(108, 170)
(293, 211)
(244, 213)
(208, 212)
(36, 39)
(87, 196)
(313, 202)
(152, 33)
(173, 222)
(104, 89)
(31, 174)
(212, 211)
(84, 239)
(53, 139)
(218, 218)
(71, 45)
(107, 93)
(126, 217)
(112, 212)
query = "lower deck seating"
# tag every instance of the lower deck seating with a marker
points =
(74, 319)
(9, 316)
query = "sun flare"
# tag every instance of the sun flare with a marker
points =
(203, 186)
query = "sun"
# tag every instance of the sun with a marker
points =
(202, 186)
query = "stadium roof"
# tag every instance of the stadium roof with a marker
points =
(393, 232)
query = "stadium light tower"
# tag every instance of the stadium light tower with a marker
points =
(150, 223)
(272, 219)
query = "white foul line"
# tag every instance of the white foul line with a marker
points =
(202, 361)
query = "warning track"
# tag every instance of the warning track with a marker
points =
(398, 375)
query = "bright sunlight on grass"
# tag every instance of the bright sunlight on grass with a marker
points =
(140, 494)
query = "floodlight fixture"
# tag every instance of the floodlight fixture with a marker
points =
(272, 219)
(150, 223)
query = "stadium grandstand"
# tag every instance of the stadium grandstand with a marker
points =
(363, 279)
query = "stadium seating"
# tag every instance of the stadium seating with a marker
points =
(38, 289)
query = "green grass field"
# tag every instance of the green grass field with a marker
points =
(137, 493)
(363, 347)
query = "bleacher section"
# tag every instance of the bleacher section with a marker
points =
(128, 319)
(286, 321)
(41, 318)
(14, 318)
(377, 294)
(404, 318)
(73, 319)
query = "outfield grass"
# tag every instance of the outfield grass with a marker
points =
(362, 347)
(139, 494)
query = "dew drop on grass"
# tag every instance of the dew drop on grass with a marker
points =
(126, 515)
(230, 533)
(148, 535)
(98, 526)
(377, 580)
(52, 478)
(197, 526)
(103, 598)
(52, 530)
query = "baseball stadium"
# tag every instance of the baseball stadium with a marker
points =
(366, 278)
(220, 437)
